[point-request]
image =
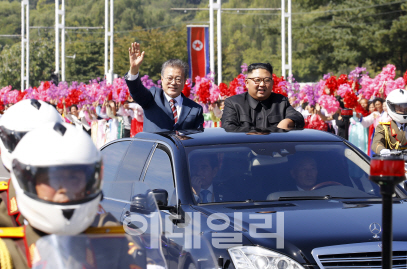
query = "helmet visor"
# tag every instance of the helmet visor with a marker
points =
(60, 184)
(400, 109)
(10, 138)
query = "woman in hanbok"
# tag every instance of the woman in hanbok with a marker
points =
(358, 134)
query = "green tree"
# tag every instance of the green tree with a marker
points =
(89, 59)
(158, 45)
(338, 37)
(41, 63)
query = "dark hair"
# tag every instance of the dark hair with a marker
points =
(175, 63)
(378, 99)
(304, 105)
(255, 66)
(212, 158)
(340, 100)
(70, 108)
(369, 103)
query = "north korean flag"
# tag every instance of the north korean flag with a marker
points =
(198, 51)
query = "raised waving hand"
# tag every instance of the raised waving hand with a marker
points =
(136, 58)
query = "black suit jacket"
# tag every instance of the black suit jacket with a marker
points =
(237, 114)
(158, 116)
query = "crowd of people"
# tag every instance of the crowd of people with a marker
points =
(55, 190)
(357, 127)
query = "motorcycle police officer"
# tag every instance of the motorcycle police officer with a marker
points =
(57, 174)
(392, 135)
(19, 119)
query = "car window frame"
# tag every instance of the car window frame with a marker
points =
(398, 190)
(121, 160)
(168, 150)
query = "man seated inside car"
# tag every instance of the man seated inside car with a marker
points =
(204, 168)
(305, 173)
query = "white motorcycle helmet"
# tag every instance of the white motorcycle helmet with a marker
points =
(397, 105)
(19, 119)
(57, 174)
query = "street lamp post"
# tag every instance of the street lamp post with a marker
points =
(109, 37)
(25, 45)
(61, 26)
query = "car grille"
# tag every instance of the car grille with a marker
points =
(360, 255)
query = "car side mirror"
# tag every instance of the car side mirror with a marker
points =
(143, 204)
(161, 197)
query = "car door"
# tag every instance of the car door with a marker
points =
(113, 155)
(159, 175)
(123, 164)
(130, 171)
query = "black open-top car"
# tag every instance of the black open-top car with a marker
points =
(283, 199)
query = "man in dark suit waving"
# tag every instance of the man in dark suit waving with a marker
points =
(259, 107)
(165, 109)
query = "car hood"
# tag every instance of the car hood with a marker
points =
(309, 224)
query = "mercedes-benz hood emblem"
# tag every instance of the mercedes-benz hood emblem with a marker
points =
(375, 229)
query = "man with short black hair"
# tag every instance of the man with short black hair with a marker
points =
(259, 107)
(165, 109)
(204, 168)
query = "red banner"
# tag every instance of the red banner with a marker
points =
(198, 53)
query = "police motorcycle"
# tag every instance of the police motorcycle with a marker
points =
(136, 244)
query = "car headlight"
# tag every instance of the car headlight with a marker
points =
(245, 257)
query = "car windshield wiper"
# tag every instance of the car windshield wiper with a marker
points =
(326, 197)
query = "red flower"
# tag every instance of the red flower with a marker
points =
(73, 98)
(357, 86)
(46, 85)
(21, 96)
(232, 87)
(350, 100)
(223, 89)
(405, 77)
(187, 90)
(342, 80)
(332, 84)
(315, 122)
(203, 92)
(276, 87)
(110, 96)
(360, 110)
(238, 82)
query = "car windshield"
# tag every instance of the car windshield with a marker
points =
(278, 171)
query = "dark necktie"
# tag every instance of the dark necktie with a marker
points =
(204, 194)
(403, 127)
(174, 110)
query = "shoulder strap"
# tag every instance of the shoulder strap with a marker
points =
(11, 232)
(388, 140)
(385, 123)
(5, 257)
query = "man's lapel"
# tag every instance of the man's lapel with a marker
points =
(184, 111)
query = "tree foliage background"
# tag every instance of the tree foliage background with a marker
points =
(328, 36)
